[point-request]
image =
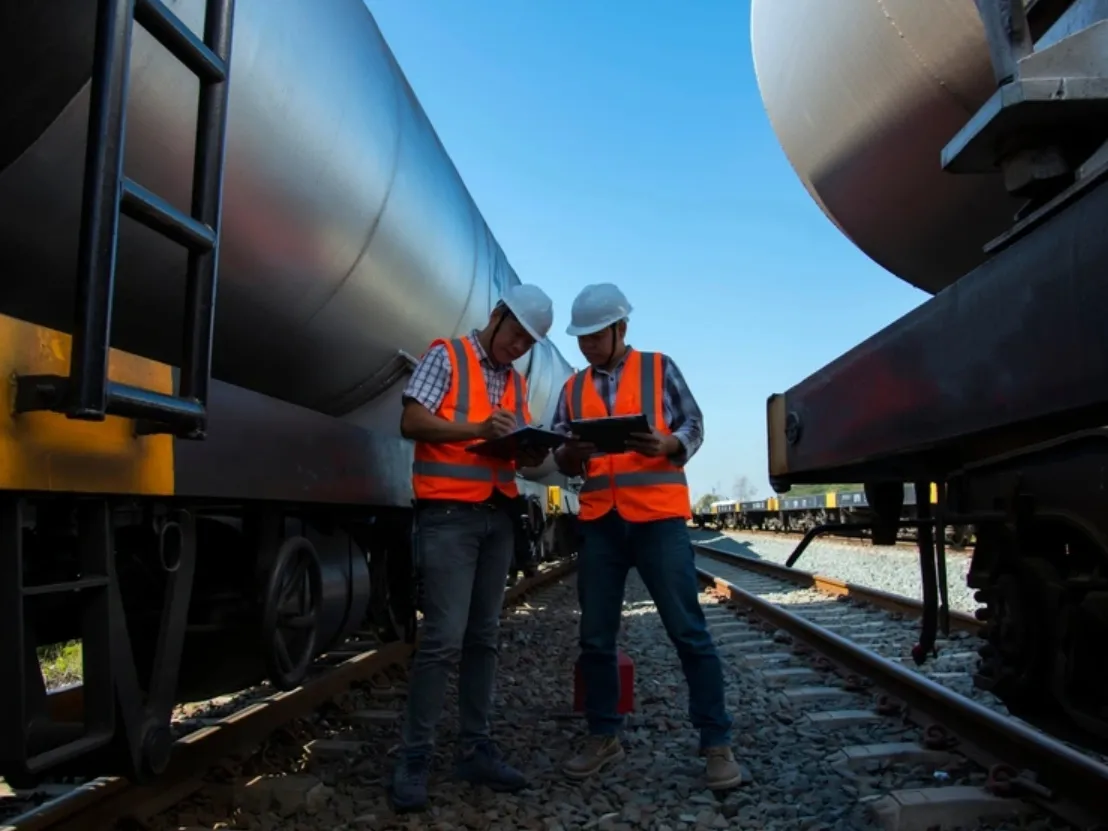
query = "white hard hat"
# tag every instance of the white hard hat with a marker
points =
(597, 307)
(531, 307)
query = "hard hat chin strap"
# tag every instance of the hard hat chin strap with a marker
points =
(505, 314)
(613, 346)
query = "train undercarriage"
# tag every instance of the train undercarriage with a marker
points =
(1041, 571)
(174, 602)
(1007, 418)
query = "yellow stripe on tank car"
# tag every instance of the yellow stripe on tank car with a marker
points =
(44, 451)
(934, 493)
(771, 503)
(832, 500)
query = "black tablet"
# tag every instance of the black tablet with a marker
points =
(508, 447)
(609, 434)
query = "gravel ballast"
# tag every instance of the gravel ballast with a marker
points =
(794, 784)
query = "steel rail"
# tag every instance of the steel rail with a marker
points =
(1066, 773)
(102, 802)
(966, 551)
(959, 621)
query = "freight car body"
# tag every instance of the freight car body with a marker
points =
(802, 514)
(980, 153)
(201, 531)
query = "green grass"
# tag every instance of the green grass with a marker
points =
(61, 663)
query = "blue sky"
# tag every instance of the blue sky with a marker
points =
(626, 141)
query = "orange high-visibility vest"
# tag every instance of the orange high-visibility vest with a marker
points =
(449, 471)
(640, 488)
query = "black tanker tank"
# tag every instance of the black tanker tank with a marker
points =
(349, 239)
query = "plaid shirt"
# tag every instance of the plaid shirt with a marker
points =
(431, 378)
(681, 411)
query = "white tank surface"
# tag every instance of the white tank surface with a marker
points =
(863, 96)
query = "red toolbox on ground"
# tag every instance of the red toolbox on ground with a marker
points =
(626, 685)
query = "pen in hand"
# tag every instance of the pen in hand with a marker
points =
(499, 424)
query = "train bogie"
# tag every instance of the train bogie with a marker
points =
(1039, 568)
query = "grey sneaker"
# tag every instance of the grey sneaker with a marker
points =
(597, 752)
(722, 771)
(409, 782)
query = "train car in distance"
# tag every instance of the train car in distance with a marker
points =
(756, 513)
(799, 514)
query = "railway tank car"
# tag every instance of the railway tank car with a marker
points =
(865, 109)
(267, 231)
(963, 145)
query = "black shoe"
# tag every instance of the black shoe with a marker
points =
(408, 789)
(483, 765)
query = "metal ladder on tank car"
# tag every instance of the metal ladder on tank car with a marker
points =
(30, 741)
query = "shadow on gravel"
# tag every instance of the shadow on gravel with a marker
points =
(724, 543)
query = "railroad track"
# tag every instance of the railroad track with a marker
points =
(849, 667)
(206, 738)
(797, 536)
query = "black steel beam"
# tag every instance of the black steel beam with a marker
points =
(1014, 353)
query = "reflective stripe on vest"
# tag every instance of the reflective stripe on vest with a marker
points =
(456, 470)
(640, 488)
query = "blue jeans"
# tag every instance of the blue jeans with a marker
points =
(662, 552)
(462, 554)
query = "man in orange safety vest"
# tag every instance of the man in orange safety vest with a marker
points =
(464, 389)
(633, 512)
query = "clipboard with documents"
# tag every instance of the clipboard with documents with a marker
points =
(509, 447)
(609, 434)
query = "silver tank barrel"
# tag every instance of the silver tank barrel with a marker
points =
(863, 96)
(349, 239)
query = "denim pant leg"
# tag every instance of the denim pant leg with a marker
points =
(601, 575)
(664, 558)
(477, 674)
(447, 547)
